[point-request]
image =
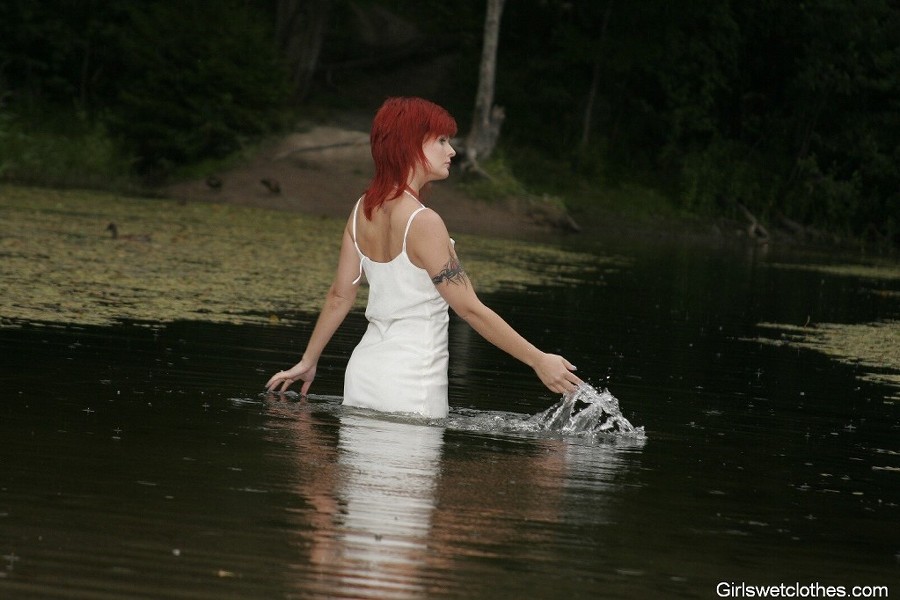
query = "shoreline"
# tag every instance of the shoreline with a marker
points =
(323, 171)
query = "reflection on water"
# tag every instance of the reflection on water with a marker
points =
(375, 540)
(141, 461)
(397, 505)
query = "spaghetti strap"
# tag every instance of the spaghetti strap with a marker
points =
(409, 223)
(356, 245)
(355, 211)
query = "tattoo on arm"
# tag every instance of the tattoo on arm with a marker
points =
(452, 272)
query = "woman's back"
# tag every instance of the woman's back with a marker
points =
(381, 238)
(400, 365)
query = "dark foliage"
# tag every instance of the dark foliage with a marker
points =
(790, 109)
(198, 90)
(175, 81)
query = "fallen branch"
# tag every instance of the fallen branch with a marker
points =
(800, 230)
(755, 229)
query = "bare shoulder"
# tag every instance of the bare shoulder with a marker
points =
(428, 242)
(427, 224)
(350, 218)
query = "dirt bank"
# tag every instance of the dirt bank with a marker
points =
(324, 170)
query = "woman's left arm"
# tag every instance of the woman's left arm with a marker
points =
(430, 248)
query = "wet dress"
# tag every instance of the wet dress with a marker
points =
(400, 365)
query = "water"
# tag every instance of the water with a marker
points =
(141, 460)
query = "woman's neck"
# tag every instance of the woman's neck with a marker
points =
(412, 191)
(416, 182)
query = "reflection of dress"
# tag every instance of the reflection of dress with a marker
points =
(400, 365)
(386, 490)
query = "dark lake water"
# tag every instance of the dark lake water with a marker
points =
(142, 461)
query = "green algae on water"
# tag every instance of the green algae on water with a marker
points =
(887, 271)
(873, 347)
(200, 261)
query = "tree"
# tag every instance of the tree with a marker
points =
(212, 82)
(487, 118)
(300, 30)
(846, 141)
(587, 120)
(57, 53)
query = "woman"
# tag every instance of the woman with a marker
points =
(410, 263)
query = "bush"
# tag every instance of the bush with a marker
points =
(725, 172)
(499, 185)
(202, 90)
(77, 154)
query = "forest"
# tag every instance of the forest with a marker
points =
(786, 111)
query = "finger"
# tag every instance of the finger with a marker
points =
(305, 389)
(274, 379)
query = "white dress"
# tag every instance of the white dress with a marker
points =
(400, 365)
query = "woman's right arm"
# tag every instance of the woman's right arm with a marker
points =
(338, 302)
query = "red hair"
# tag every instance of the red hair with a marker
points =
(399, 130)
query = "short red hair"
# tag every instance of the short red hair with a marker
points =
(400, 128)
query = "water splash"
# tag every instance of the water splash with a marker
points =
(585, 414)
(586, 411)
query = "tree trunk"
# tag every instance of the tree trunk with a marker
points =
(589, 106)
(300, 31)
(595, 82)
(487, 118)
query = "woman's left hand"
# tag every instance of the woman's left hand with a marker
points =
(557, 374)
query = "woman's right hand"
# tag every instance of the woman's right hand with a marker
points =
(303, 371)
